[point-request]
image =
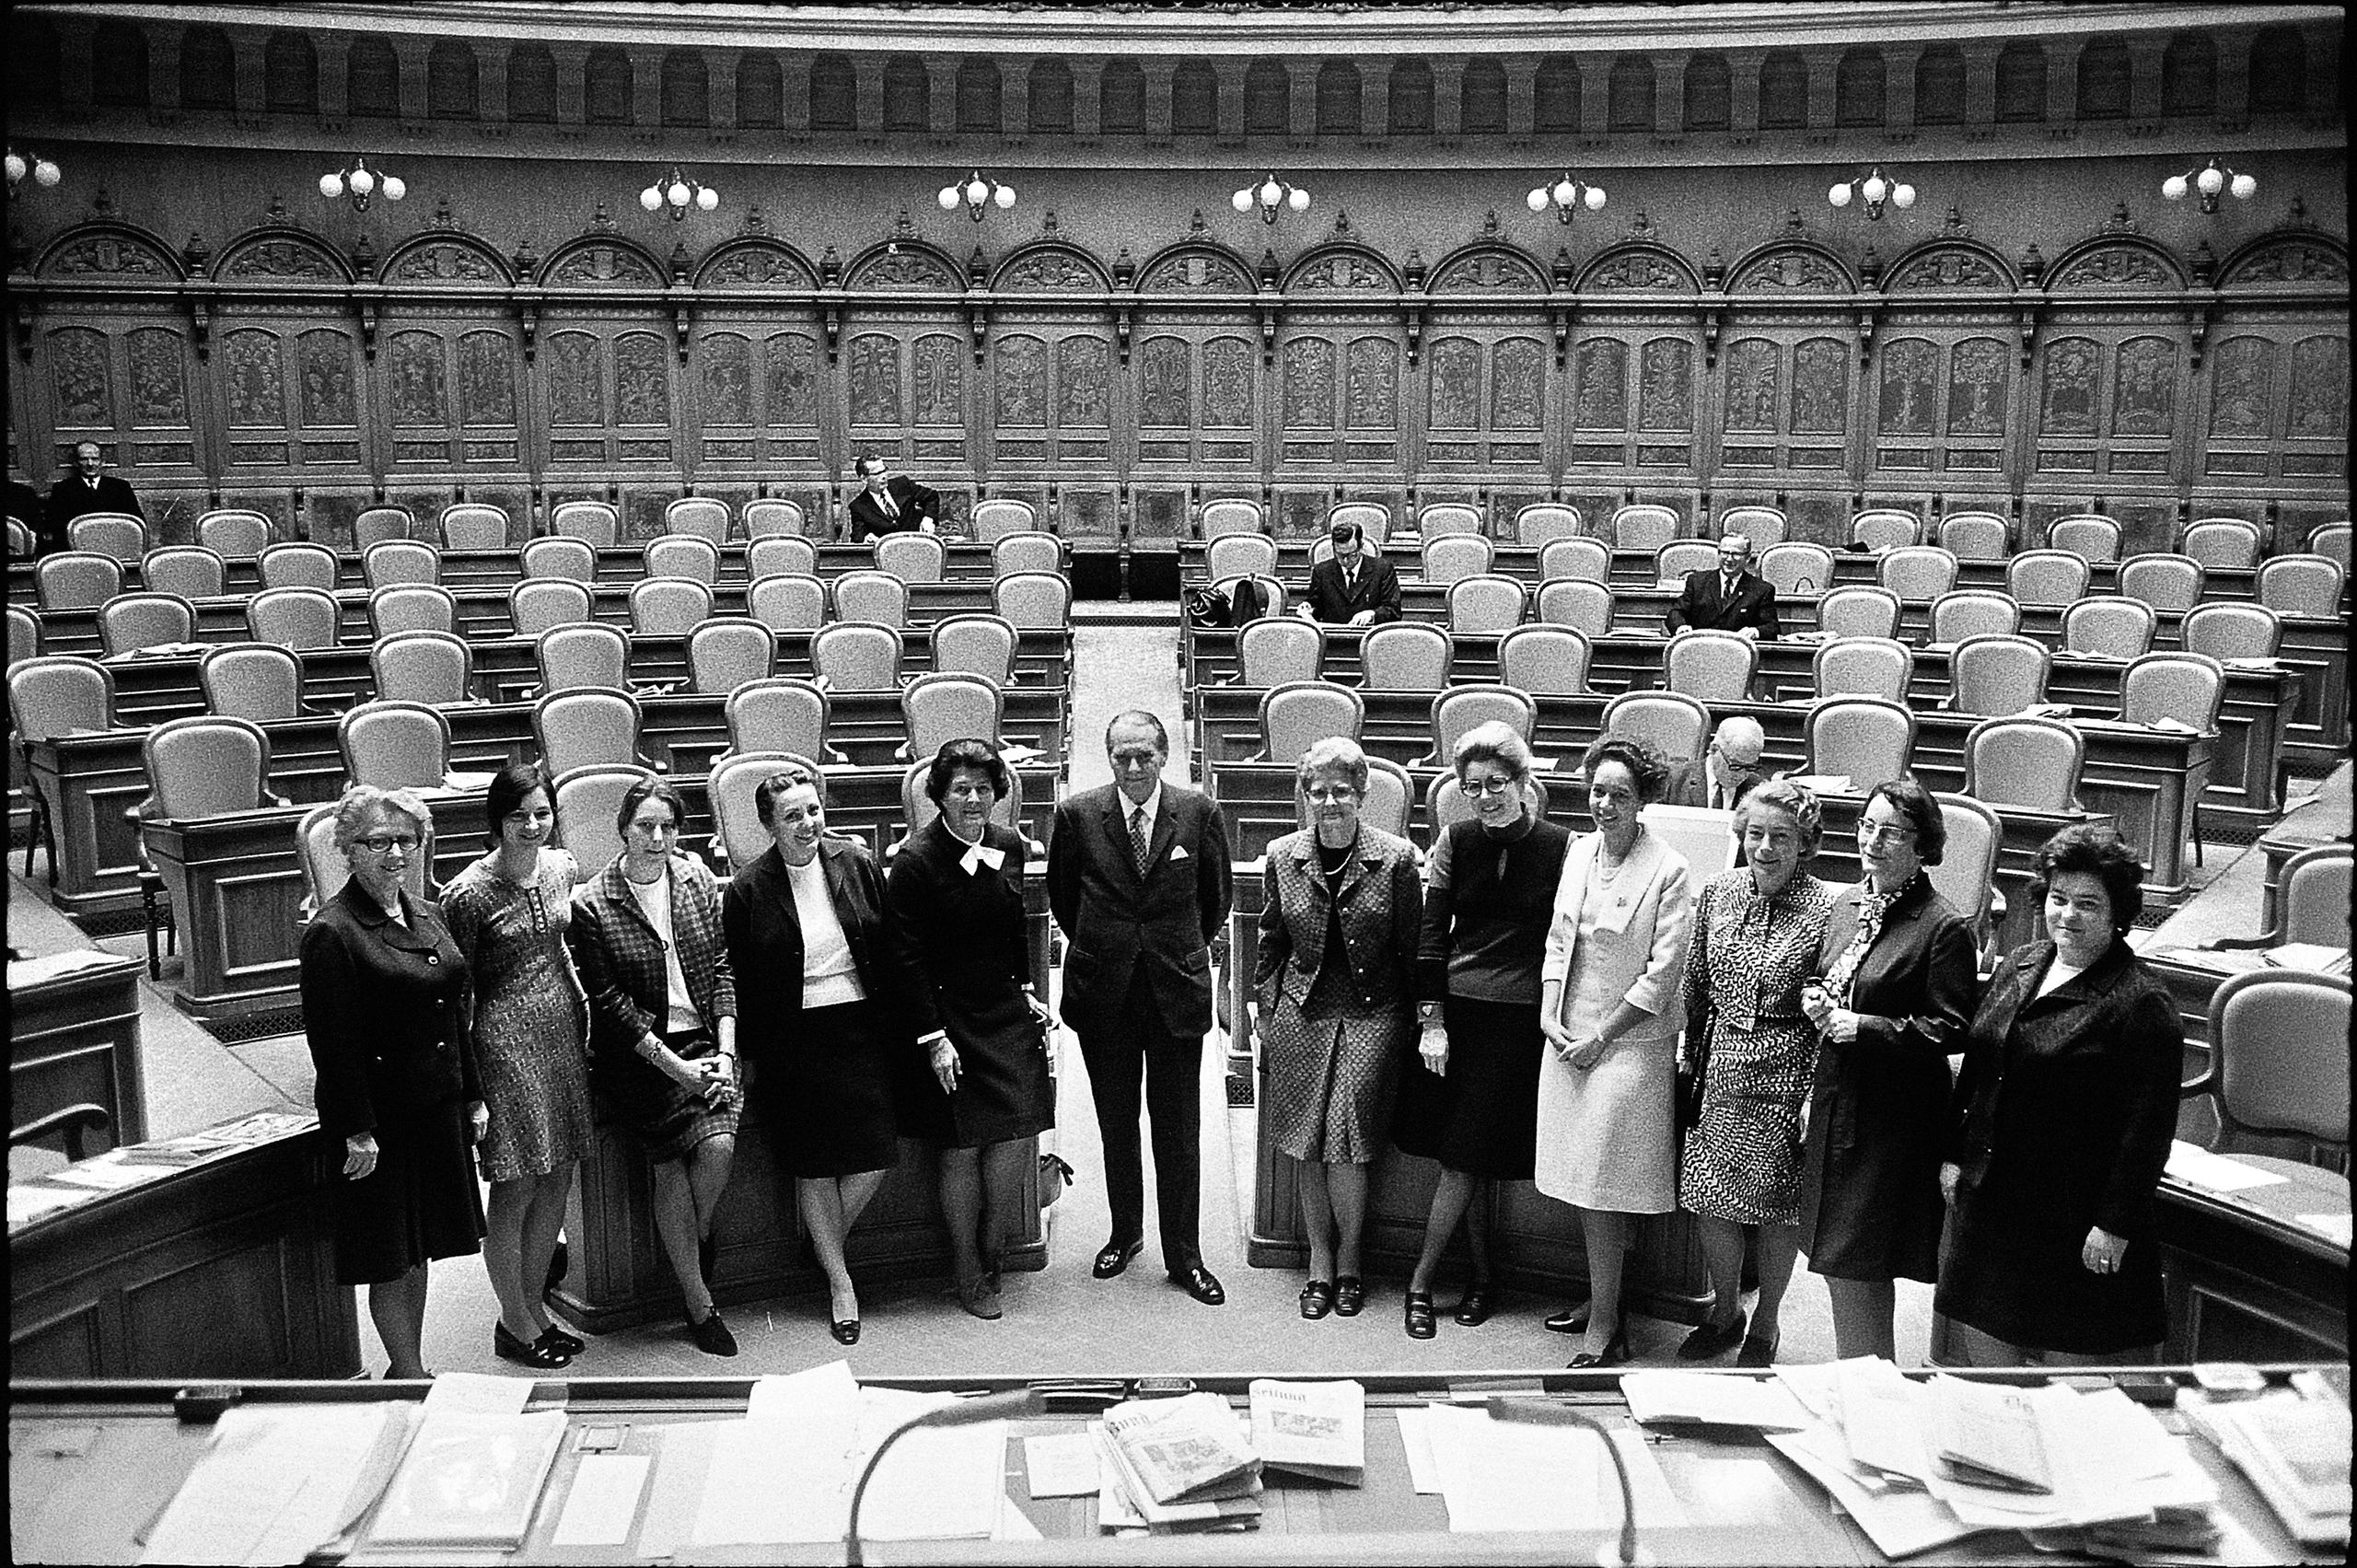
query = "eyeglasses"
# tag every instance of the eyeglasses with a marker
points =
(1884, 832)
(380, 843)
(1491, 786)
(1331, 794)
(654, 830)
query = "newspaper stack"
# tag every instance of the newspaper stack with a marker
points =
(1317, 1430)
(2295, 1452)
(1176, 1464)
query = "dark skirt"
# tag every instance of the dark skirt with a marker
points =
(1482, 1117)
(1870, 1172)
(2012, 1270)
(421, 1203)
(825, 1092)
(1004, 1089)
(668, 1116)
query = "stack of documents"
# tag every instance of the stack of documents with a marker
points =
(1504, 1475)
(277, 1483)
(1176, 1464)
(470, 1481)
(2295, 1452)
(1317, 1429)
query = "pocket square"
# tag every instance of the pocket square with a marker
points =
(1178, 852)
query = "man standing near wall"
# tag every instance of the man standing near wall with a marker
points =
(83, 490)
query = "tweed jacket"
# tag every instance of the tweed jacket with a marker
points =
(384, 1011)
(620, 958)
(1381, 902)
(764, 931)
(1120, 923)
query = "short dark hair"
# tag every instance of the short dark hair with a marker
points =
(645, 790)
(788, 776)
(979, 755)
(1342, 533)
(859, 464)
(1643, 760)
(1913, 801)
(509, 788)
(2092, 849)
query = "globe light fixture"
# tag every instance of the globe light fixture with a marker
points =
(1270, 196)
(1567, 195)
(678, 192)
(2209, 183)
(362, 184)
(1875, 189)
(44, 173)
(978, 192)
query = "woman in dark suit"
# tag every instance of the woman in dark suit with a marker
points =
(2065, 1110)
(384, 1007)
(806, 931)
(956, 903)
(1900, 976)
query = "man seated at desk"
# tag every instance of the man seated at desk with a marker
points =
(890, 503)
(1733, 599)
(1732, 766)
(1351, 587)
(83, 490)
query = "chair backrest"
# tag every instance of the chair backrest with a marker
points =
(770, 517)
(1454, 556)
(1461, 708)
(1858, 610)
(393, 561)
(2091, 536)
(1881, 528)
(144, 621)
(878, 598)
(2030, 762)
(1643, 527)
(1966, 873)
(1764, 526)
(52, 693)
(698, 515)
(2230, 630)
(1299, 714)
(1680, 556)
(1995, 674)
(787, 601)
(2113, 626)
(1919, 572)
(1037, 601)
(586, 800)
(1240, 556)
(668, 606)
(2046, 577)
(77, 579)
(1373, 517)
(188, 570)
(561, 555)
(857, 656)
(917, 808)
(592, 521)
(577, 729)
(1797, 567)
(1390, 796)
(2188, 688)
(939, 708)
(1490, 604)
(433, 667)
(1033, 549)
(2313, 891)
(1863, 666)
(1974, 613)
(1405, 656)
(992, 521)
(784, 713)
(1447, 517)
(1717, 667)
(732, 791)
(2165, 582)
(234, 533)
(118, 534)
(255, 681)
(1575, 556)
(780, 554)
(299, 564)
(975, 644)
(1542, 522)
(376, 524)
(205, 765)
(1680, 725)
(2279, 1042)
(24, 633)
(300, 619)
(726, 652)
(1976, 536)
(537, 603)
(2230, 542)
(1279, 649)
(1545, 660)
(913, 557)
(326, 870)
(1576, 602)
(2301, 584)
(583, 653)
(474, 524)
(20, 538)
(395, 745)
(1273, 592)
(683, 556)
(1866, 739)
(1445, 802)
(1230, 514)
(2331, 540)
(411, 607)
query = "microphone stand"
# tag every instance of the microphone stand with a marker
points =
(1546, 1413)
(957, 1412)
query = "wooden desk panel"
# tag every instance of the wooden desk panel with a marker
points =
(72, 1037)
(2243, 1280)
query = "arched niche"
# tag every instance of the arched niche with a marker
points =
(909, 265)
(2115, 261)
(1949, 266)
(1791, 266)
(1488, 267)
(2287, 257)
(108, 250)
(281, 253)
(445, 258)
(1341, 266)
(1196, 266)
(1639, 266)
(1050, 266)
(755, 261)
(604, 260)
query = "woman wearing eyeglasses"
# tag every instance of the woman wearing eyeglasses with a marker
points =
(1336, 981)
(1900, 981)
(384, 1009)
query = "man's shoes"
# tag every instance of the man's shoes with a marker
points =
(539, 1353)
(1114, 1256)
(1480, 1304)
(711, 1335)
(1200, 1284)
(1418, 1315)
(1709, 1343)
(1316, 1299)
(1572, 1319)
(1350, 1294)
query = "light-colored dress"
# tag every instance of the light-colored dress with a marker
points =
(1606, 1136)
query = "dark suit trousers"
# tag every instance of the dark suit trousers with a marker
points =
(1168, 1068)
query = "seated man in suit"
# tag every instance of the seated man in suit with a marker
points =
(1352, 588)
(890, 503)
(1733, 599)
(1732, 763)
(85, 490)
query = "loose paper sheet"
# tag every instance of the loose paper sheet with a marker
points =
(603, 1501)
(2189, 1162)
(1062, 1464)
(480, 1392)
(273, 1484)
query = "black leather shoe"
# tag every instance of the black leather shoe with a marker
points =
(1480, 1304)
(1613, 1354)
(558, 1335)
(537, 1353)
(1350, 1294)
(1418, 1306)
(1708, 1343)
(1569, 1320)
(1200, 1284)
(711, 1335)
(846, 1331)
(1316, 1299)
(1114, 1256)
(1756, 1352)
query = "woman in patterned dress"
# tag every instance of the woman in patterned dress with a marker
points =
(1757, 930)
(507, 913)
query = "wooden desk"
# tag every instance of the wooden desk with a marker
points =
(2245, 1281)
(73, 1034)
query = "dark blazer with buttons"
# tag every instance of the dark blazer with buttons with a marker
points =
(1118, 923)
(384, 1010)
(764, 933)
(1334, 601)
(75, 496)
(1702, 604)
(620, 958)
(1381, 903)
(915, 500)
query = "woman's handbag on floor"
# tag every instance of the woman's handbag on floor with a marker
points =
(1054, 1176)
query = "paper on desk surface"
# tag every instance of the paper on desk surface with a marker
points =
(50, 966)
(2218, 1173)
(1711, 1398)
(273, 1482)
(478, 1391)
(1416, 1436)
(1498, 1475)
(1899, 1521)
(1060, 1464)
(107, 1172)
(2333, 1227)
(604, 1500)
(31, 1202)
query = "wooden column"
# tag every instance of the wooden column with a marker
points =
(1088, 100)
(572, 84)
(1981, 83)
(490, 79)
(1448, 99)
(1669, 95)
(720, 88)
(1743, 91)
(164, 69)
(1522, 78)
(1898, 87)
(2061, 81)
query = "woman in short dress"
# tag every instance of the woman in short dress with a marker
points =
(1757, 932)
(508, 913)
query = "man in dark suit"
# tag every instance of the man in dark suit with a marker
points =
(85, 490)
(1138, 880)
(1352, 588)
(1733, 599)
(890, 503)
(1732, 767)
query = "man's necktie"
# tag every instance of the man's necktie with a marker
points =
(885, 496)
(1137, 837)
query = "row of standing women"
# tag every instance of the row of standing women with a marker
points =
(867, 1009)
(1519, 1017)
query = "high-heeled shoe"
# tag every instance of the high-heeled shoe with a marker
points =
(1419, 1322)
(1615, 1352)
(536, 1354)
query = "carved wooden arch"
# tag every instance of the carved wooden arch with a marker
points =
(1638, 266)
(1050, 266)
(2114, 261)
(604, 259)
(753, 261)
(281, 253)
(1947, 265)
(106, 248)
(444, 257)
(1489, 266)
(1341, 266)
(2287, 257)
(913, 266)
(1198, 265)
(1791, 266)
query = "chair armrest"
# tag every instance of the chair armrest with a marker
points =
(2206, 1084)
(837, 755)
(2237, 944)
